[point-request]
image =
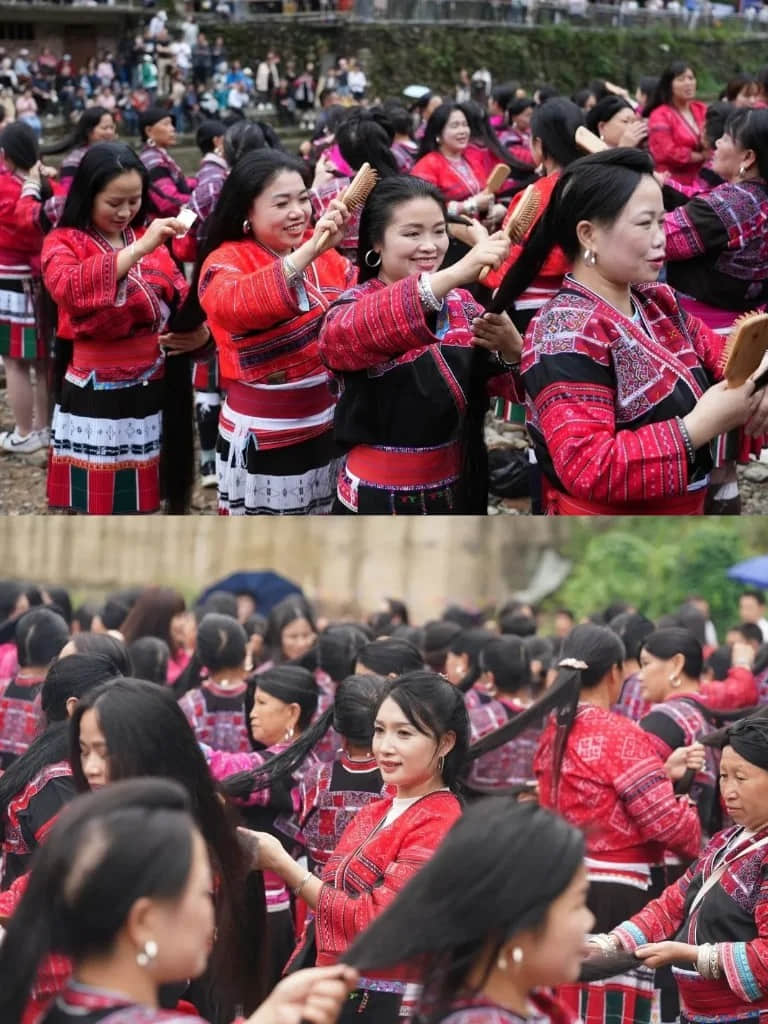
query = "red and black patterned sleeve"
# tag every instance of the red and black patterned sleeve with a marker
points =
(366, 328)
(694, 229)
(240, 301)
(79, 285)
(341, 916)
(646, 791)
(572, 387)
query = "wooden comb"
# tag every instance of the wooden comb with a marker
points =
(588, 141)
(354, 195)
(496, 178)
(747, 344)
(518, 225)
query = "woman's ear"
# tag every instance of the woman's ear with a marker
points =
(447, 743)
(585, 233)
(677, 662)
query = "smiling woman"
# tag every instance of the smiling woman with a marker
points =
(407, 335)
(265, 282)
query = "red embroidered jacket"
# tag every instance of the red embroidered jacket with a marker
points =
(371, 865)
(261, 330)
(604, 394)
(454, 185)
(21, 236)
(614, 786)
(671, 140)
(406, 366)
(114, 324)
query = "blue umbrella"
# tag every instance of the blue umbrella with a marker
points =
(266, 588)
(754, 570)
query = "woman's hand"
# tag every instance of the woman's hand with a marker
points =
(489, 252)
(484, 201)
(176, 343)
(683, 758)
(315, 995)
(334, 221)
(659, 954)
(159, 231)
(497, 333)
(721, 409)
(496, 214)
(758, 420)
(635, 134)
(470, 234)
(324, 172)
(267, 852)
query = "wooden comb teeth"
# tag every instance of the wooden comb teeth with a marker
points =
(354, 195)
(518, 225)
(745, 347)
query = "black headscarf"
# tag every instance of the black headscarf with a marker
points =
(749, 738)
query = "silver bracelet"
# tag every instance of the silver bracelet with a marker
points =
(31, 188)
(292, 273)
(428, 300)
(606, 941)
(708, 961)
(689, 449)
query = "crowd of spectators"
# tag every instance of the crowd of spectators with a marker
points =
(181, 68)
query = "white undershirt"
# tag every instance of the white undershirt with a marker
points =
(400, 804)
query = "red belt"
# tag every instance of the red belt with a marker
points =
(89, 355)
(272, 403)
(398, 467)
(558, 504)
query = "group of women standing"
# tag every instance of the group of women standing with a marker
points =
(363, 389)
(146, 902)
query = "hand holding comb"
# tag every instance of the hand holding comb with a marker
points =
(353, 196)
(519, 223)
(747, 344)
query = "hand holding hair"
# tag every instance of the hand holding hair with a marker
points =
(315, 996)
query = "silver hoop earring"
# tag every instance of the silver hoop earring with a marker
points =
(289, 733)
(742, 170)
(145, 957)
(376, 262)
(246, 227)
(590, 258)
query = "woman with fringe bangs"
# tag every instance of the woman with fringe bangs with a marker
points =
(492, 923)
(617, 377)
(419, 742)
(122, 425)
(415, 359)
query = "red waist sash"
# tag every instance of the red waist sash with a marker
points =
(399, 467)
(556, 503)
(279, 403)
(90, 355)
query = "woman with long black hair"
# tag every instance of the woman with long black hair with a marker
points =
(416, 360)
(95, 124)
(514, 927)
(619, 404)
(122, 426)
(419, 742)
(130, 727)
(22, 338)
(265, 280)
(105, 893)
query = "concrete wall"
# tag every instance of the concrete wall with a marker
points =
(346, 564)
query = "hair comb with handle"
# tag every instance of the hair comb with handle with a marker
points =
(520, 222)
(354, 195)
(747, 344)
